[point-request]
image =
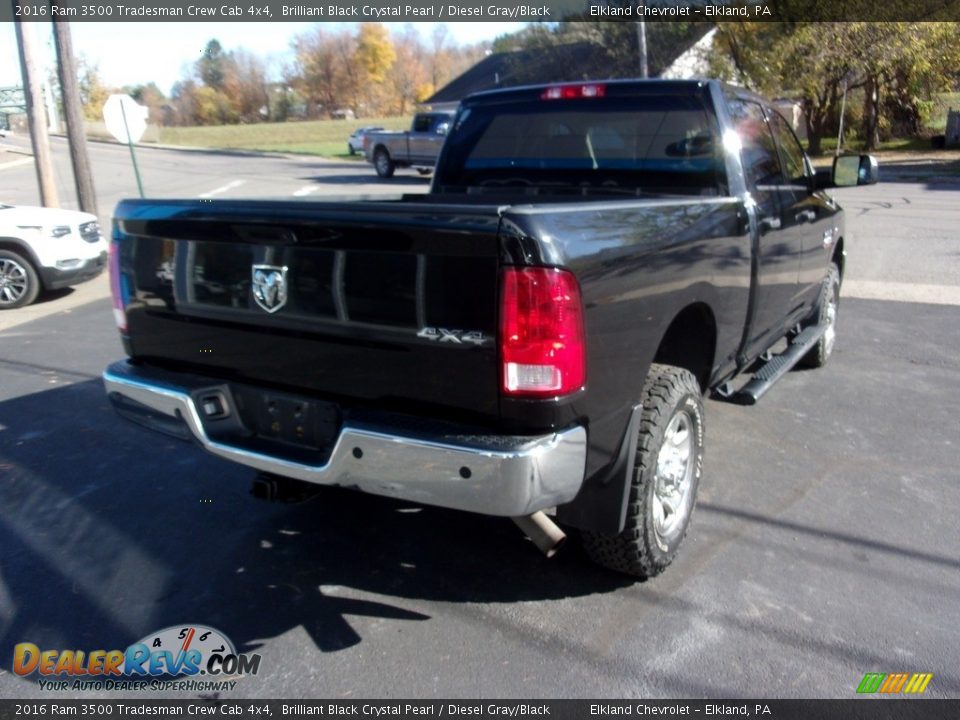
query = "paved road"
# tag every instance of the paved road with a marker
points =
(173, 173)
(825, 544)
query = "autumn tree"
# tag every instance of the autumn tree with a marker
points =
(151, 97)
(245, 85)
(317, 73)
(183, 101)
(93, 91)
(374, 57)
(326, 71)
(408, 77)
(374, 51)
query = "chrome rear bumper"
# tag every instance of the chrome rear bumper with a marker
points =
(502, 475)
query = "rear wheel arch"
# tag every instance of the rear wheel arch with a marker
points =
(690, 342)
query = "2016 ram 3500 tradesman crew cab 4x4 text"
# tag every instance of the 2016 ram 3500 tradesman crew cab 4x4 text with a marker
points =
(537, 332)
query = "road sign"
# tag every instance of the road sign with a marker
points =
(126, 121)
(124, 118)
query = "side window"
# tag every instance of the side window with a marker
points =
(761, 162)
(421, 123)
(793, 163)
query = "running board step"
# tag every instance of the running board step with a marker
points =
(779, 365)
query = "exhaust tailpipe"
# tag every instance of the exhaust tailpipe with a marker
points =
(543, 531)
(274, 488)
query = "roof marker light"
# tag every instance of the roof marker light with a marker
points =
(574, 92)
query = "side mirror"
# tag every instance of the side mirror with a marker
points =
(852, 170)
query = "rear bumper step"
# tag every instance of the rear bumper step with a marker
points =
(506, 476)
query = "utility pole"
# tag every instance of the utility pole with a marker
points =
(642, 44)
(35, 116)
(53, 122)
(70, 92)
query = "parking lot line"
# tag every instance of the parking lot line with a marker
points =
(16, 163)
(223, 188)
(306, 190)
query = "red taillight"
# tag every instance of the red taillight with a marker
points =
(542, 348)
(119, 312)
(574, 92)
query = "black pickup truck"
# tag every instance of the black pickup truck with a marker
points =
(535, 334)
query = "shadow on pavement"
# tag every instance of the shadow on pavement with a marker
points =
(110, 532)
(935, 174)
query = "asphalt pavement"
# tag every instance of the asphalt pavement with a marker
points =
(825, 544)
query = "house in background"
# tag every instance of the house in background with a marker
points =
(694, 63)
(559, 63)
(549, 64)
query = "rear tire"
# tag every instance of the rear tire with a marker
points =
(383, 164)
(666, 475)
(829, 304)
(19, 283)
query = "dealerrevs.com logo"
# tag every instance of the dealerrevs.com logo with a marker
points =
(181, 651)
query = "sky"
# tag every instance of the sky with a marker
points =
(140, 52)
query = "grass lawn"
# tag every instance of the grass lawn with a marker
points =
(896, 145)
(941, 104)
(316, 137)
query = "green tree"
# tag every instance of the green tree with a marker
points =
(895, 67)
(211, 67)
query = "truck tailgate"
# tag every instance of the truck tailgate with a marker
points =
(386, 303)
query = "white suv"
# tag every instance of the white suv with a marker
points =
(46, 249)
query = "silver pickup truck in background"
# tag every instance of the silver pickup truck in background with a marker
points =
(417, 147)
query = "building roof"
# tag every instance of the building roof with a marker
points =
(558, 63)
(547, 64)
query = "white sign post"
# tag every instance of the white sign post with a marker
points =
(126, 121)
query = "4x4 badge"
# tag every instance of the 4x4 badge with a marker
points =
(270, 287)
(457, 337)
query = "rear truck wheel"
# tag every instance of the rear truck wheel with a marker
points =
(383, 164)
(19, 284)
(826, 315)
(666, 475)
(424, 171)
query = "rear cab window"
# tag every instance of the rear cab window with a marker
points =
(421, 123)
(608, 145)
